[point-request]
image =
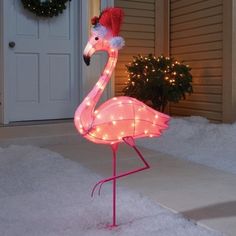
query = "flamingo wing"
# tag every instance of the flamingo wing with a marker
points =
(124, 116)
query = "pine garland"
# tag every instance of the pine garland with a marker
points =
(48, 8)
(157, 81)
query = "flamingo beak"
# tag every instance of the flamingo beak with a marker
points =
(88, 52)
(86, 59)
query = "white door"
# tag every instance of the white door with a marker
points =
(41, 77)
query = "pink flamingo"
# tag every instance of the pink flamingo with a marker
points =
(120, 119)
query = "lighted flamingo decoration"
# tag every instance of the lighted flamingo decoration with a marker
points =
(120, 119)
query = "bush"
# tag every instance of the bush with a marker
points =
(157, 81)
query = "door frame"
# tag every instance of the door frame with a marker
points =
(86, 15)
(2, 63)
(111, 85)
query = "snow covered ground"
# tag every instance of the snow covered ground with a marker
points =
(198, 140)
(44, 194)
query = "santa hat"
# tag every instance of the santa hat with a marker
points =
(111, 19)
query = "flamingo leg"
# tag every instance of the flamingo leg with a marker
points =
(114, 151)
(129, 141)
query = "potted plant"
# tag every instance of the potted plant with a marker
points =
(158, 80)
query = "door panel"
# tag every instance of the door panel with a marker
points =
(60, 28)
(59, 69)
(27, 80)
(22, 23)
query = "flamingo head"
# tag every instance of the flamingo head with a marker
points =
(104, 33)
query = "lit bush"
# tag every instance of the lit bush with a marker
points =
(157, 81)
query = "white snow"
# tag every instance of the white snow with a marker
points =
(198, 140)
(43, 194)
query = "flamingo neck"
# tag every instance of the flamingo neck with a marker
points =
(96, 93)
(85, 114)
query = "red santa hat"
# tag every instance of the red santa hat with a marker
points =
(111, 18)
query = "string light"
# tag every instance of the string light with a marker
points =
(145, 131)
(105, 137)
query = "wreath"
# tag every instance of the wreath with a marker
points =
(47, 8)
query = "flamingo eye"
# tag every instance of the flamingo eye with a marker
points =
(96, 38)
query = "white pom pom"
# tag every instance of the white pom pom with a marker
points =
(117, 42)
(100, 31)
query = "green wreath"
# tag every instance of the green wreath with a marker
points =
(48, 8)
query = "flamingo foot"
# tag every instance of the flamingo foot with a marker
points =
(111, 227)
(99, 186)
(108, 226)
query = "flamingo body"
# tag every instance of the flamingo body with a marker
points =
(121, 117)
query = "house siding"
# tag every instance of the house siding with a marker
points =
(196, 37)
(138, 31)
